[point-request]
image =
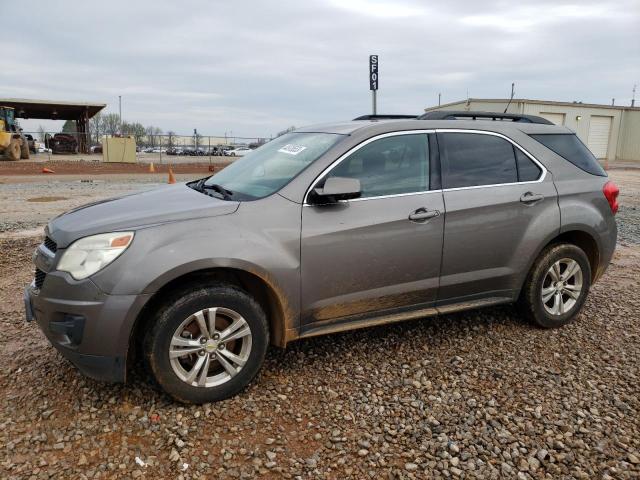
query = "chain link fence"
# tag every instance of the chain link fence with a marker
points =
(163, 148)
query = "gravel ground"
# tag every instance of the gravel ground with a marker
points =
(472, 395)
(30, 201)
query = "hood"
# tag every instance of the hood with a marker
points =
(171, 203)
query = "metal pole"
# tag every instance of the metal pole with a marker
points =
(120, 110)
(374, 102)
(439, 95)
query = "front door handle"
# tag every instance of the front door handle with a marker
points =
(422, 215)
(531, 197)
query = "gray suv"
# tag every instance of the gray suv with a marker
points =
(325, 229)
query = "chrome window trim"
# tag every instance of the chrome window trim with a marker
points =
(422, 192)
(355, 149)
(540, 179)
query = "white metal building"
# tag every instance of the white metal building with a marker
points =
(611, 132)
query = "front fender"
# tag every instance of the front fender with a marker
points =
(266, 246)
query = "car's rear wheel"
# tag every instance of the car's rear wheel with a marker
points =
(208, 344)
(557, 286)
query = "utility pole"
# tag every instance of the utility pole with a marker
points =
(633, 99)
(439, 95)
(120, 110)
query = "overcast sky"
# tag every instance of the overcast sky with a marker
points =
(255, 68)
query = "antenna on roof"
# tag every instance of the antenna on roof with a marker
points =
(633, 99)
(513, 91)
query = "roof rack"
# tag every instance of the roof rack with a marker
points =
(458, 115)
(385, 117)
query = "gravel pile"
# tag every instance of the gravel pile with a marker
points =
(476, 395)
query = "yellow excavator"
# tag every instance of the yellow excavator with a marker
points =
(13, 145)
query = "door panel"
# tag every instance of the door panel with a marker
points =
(499, 211)
(367, 255)
(490, 236)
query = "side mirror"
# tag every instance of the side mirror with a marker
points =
(336, 189)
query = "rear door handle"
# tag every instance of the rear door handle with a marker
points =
(422, 214)
(530, 198)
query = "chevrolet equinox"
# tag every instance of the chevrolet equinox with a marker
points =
(325, 229)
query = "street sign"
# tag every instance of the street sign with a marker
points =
(373, 72)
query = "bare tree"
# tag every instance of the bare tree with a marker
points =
(170, 134)
(111, 123)
(149, 132)
(96, 128)
(41, 133)
(137, 130)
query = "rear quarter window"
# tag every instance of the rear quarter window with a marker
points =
(569, 147)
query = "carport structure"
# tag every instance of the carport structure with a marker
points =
(56, 110)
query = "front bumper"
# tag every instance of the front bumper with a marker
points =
(88, 327)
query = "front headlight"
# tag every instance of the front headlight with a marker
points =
(88, 255)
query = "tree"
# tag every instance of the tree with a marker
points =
(171, 134)
(41, 133)
(136, 130)
(96, 128)
(111, 123)
(69, 127)
(149, 132)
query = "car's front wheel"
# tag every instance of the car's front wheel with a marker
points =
(207, 344)
(557, 286)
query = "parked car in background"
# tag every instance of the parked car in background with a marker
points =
(238, 152)
(326, 229)
(62, 143)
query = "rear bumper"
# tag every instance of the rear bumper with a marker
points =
(88, 327)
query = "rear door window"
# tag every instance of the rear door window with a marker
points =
(473, 159)
(528, 171)
(569, 147)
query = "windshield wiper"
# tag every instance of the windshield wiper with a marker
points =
(226, 193)
(197, 185)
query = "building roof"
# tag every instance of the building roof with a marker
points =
(51, 110)
(539, 102)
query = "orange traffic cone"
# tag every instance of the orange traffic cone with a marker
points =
(152, 169)
(47, 170)
(172, 179)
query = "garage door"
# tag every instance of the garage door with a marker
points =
(599, 129)
(555, 118)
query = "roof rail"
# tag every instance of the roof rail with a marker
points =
(385, 117)
(459, 115)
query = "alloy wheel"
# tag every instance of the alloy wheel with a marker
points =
(210, 347)
(562, 286)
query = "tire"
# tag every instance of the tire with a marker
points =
(13, 151)
(177, 321)
(556, 311)
(24, 150)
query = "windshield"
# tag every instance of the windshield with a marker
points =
(267, 169)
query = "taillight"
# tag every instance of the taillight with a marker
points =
(611, 192)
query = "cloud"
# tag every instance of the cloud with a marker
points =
(257, 67)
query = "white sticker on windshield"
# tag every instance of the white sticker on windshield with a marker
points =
(292, 149)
